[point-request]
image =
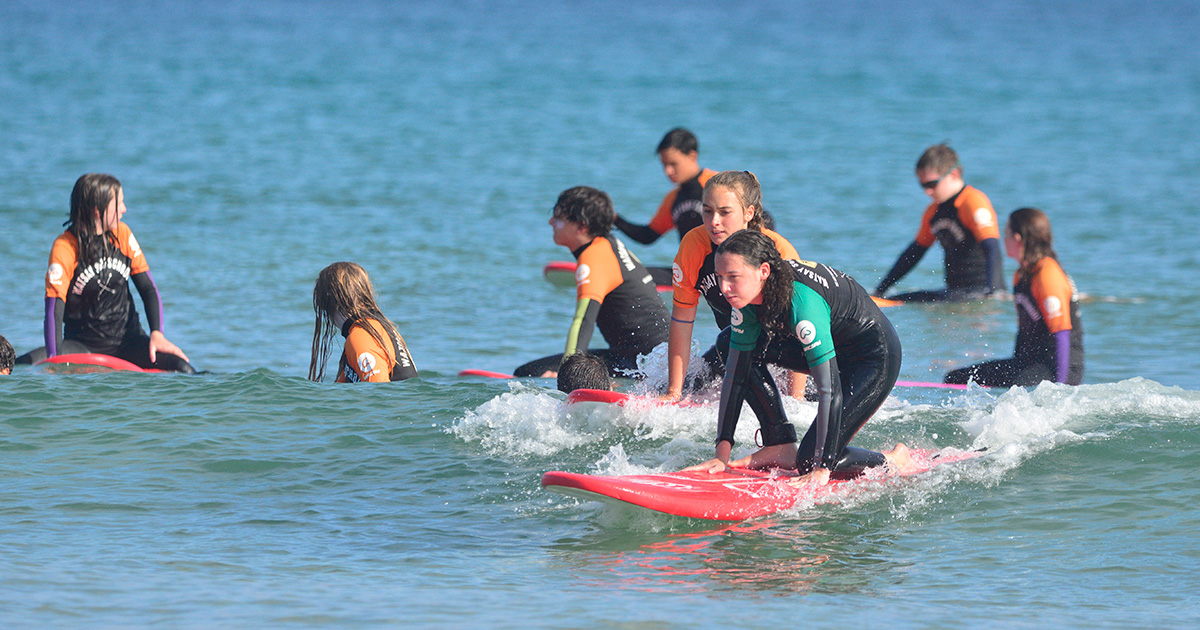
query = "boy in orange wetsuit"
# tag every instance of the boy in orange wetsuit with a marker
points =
(614, 292)
(679, 152)
(962, 219)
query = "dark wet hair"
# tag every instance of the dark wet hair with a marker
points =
(93, 192)
(583, 371)
(746, 188)
(757, 248)
(939, 158)
(679, 139)
(344, 287)
(7, 356)
(588, 207)
(1033, 226)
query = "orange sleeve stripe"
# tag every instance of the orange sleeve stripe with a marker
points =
(64, 257)
(603, 271)
(1052, 291)
(694, 247)
(663, 221)
(925, 237)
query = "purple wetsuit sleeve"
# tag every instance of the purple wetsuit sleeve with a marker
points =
(52, 326)
(1062, 355)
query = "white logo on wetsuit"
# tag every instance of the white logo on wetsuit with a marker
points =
(1053, 307)
(581, 274)
(806, 332)
(366, 365)
(135, 250)
(676, 273)
(983, 217)
(735, 317)
(55, 273)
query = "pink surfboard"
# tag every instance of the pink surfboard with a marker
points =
(932, 385)
(735, 494)
(87, 362)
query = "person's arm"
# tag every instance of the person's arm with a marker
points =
(582, 326)
(797, 381)
(153, 307)
(52, 326)
(640, 233)
(995, 263)
(904, 264)
(733, 394)
(1062, 355)
(829, 413)
(679, 349)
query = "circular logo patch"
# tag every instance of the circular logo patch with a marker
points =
(55, 273)
(1053, 307)
(983, 217)
(676, 273)
(134, 247)
(735, 317)
(366, 363)
(806, 332)
(582, 272)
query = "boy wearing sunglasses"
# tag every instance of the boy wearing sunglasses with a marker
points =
(962, 219)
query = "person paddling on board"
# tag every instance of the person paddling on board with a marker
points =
(374, 352)
(732, 200)
(962, 219)
(89, 307)
(1049, 331)
(814, 319)
(614, 292)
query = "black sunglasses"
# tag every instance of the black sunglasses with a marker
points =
(931, 184)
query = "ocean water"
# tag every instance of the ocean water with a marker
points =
(258, 142)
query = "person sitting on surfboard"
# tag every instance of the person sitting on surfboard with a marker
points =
(7, 356)
(89, 307)
(614, 292)
(962, 219)
(345, 305)
(809, 318)
(583, 370)
(1049, 332)
(679, 152)
(732, 200)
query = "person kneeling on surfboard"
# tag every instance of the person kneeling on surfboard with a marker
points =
(813, 319)
(614, 292)
(345, 304)
(89, 307)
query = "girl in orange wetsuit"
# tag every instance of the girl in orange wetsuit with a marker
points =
(1049, 331)
(345, 304)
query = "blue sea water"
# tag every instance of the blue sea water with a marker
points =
(259, 141)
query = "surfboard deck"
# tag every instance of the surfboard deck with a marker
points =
(735, 494)
(84, 363)
(561, 273)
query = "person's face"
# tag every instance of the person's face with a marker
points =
(940, 186)
(108, 219)
(569, 234)
(724, 214)
(679, 166)
(740, 283)
(1012, 243)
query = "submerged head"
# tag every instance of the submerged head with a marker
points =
(583, 371)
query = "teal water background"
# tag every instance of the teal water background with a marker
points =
(259, 141)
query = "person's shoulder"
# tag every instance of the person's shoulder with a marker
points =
(601, 248)
(785, 247)
(705, 175)
(696, 240)
(973, 197)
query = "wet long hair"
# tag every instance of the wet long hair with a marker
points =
(756, 248)
(1033, 226)
(93, 192)
(744, 185)
(344, 287)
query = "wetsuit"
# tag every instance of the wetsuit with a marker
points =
(364, 360)
(836, 334)
(90, 309)
(695, 275)
(616, 294)
(967, 228)
(681, 209)
(1049, 334)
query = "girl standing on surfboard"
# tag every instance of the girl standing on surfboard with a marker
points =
(813, 319)
(1049, 332)
(732, 202)
(89, 307)
(345, 305)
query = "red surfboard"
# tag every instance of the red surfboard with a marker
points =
(485, 373)
(735, 494)
(932, 385)
(618, 398)
(561, 273)
(87, 362)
